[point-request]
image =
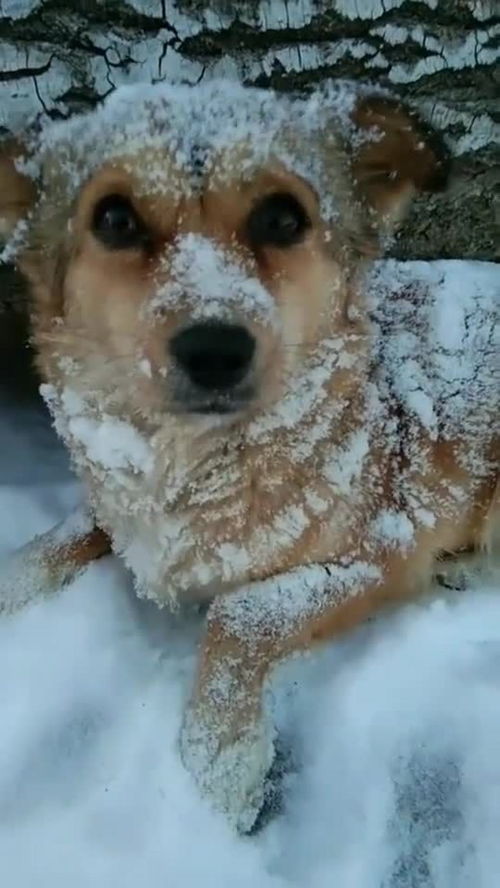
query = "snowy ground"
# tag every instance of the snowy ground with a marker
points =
(396, 734)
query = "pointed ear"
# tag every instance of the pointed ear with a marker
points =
(17, 191)
(396, 157)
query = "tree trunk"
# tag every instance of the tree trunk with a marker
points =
(60, 56)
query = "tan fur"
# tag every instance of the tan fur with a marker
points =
(18, 192)
(399, 163)
(89, 305)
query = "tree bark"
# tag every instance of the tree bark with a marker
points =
(61, 56)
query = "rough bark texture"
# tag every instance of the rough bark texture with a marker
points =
(60, 56)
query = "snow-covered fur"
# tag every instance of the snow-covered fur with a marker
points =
(369, 444)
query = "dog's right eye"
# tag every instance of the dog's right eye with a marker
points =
(116, 224)
(279, 220)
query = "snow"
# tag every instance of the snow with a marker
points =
(210, 285)
(348, 461)
(112, 443)
(394, 528)
(18, 9)
(212, 130)
(440, 349)
(394, 731)
(276, 607)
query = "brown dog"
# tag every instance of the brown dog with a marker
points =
(259, 422)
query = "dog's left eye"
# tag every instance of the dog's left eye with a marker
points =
(116, 224)
(279, 220)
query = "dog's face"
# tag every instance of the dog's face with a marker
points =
(201, 299)
(189, 247)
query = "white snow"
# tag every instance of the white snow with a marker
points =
(347, 462)
(394, 731)
(277, 605)
(18, 9)
(110, 442)
(211, 284)
(393, 527)
(441, 355)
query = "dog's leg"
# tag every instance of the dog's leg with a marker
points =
(50, 560)
(227, 740)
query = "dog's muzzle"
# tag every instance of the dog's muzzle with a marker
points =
(215, 361)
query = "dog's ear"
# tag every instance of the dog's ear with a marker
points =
(17, 191)
(395, 156)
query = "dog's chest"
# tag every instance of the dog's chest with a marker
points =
(204, 521)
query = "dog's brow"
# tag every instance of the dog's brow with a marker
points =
(305, 182)
(287, 180)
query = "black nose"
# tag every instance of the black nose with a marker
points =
(214, 356)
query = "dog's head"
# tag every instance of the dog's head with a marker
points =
(187, 247)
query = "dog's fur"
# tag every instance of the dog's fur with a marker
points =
(327, 494)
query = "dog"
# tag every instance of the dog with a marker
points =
(265, 417)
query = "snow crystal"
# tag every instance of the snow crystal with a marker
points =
(212, 283)
(306, 389)
(145, 367)
(277, 606)
(315, 502)
(347, 463)
(424, 516)
(393, 528)
(110, 442)
(438, 334)
(15, 241)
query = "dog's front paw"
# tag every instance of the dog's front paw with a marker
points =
(232, 775)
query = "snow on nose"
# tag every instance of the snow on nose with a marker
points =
(212, 284)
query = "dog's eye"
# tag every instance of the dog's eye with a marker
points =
(279, 220)
(116, 224)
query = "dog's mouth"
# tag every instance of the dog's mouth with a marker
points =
(215, 403)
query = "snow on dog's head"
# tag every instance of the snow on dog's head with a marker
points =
(187, 246)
